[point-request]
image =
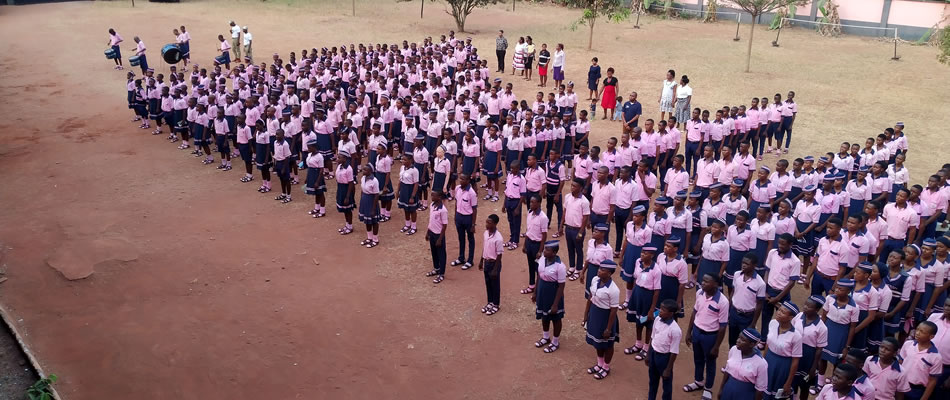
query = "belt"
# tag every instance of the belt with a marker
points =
(740, 312)
(894, 238)
(706, 332)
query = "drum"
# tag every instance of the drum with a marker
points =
(134, 61)
(110, 54)
(220, 59)
(171, 54)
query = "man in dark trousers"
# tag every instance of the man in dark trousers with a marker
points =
(501, 47)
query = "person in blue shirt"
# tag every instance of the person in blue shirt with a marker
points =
(631, 111)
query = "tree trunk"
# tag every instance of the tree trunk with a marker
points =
(460, 23)
(590, 38)
(748, 54)
(354, 8)
(422, 8)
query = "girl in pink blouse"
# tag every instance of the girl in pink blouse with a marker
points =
(345, 191)
(369, 206)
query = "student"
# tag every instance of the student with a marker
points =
(369, 206)
(842, 384)
(782, 272)
(345, 191)
(140, 52)
(574, 224)
(868, 300)
(941, 340)
(515, 195)
(435, 235)
(409, 187)
(602, 192)
(643, 301)
(862, 385)
(420, 161)
(662, 354)
(734, 201)
(536, 234)
(555, 176)
(441, 169)
(492, 252)
(383, 168)
(899, 176)
(600, 317)
(225, 57)
(764, 232)
(840, 315)
(814, 339)
(659, 221)
(902, 221)
(674, 274)
(598, 251)
(707, 325)
(315, 184)
(221, 133)
(784, 345)
(263, 155)
(745, 298)
(741, 241)
(114, 40)
(491, 165)
(282, 166)
(549, 298)
(922, 360)
(637, 235)
(746, 372)
(885, 373)
(466, 211)
(715, 251)
(830, 264)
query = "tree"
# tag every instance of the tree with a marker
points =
(756, 8)
(422, 6)
(460, 9)
(613, 10)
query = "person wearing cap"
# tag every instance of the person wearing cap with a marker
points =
(574, 225)
(680, 219)
(600, 317)
(282, 160)
(785, 350)
(705, 332)
(927, 272)
(409, 190)
(659, 222)
(714, 255)
(248, 41)
(840, 314)
(807, 214)
(345, 191)
(734, 201)
(315, 184)
(369, 205)
(868, 300)
(746, 297)
(764, 231)
(674, 271)
(923, 362)
(714, 207)
(637, 234)
(383, 168)
(435, 234)
(420, 161)
(549, 298)
(859, 191)
(814, 334)
(880, 182)
(783, 269)
(598, 252)
(762, 191)
(490, 262)
(900, 176)
(746, 371)
(940, 270)
(902, 221)
(643, 300)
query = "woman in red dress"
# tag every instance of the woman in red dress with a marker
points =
(608, 94)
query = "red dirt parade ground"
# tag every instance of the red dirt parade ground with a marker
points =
(195, 286)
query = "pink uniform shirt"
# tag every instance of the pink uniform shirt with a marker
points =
(647, 278)
(712, 312)
(535, 179)
(785, 344)
(753, 370)
(602, 194)
(666, 336)
(920, 364)
(942, 338)
(899, 220)
(782, 268)
(438, 219)
(830, 256)
(492, 245)
(575, 208)
(748, 292)
(536, 225)
(886, 380)
(466, 200)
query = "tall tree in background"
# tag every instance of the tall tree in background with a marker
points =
(460, 9)
(612, 10)
(756, 8)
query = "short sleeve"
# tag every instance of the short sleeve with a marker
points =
(676, 335)
(854, 315)
(760, 294)
(615, 297)
(821, 339)
(797, 346)
(724, 313)
(762, 377)
(561, 274)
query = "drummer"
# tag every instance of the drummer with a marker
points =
(114, 40)
(140, 53)
(225, 53)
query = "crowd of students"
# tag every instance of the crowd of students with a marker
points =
(690, 209)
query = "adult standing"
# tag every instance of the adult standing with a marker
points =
(544, 58)
(667, 94)
(140, 52)
(114, 40)
(608, 94)
(501, 47)
(682, 100)
(236, 41)
(632, 110)
(517, 62)
(248, 39)
(558, 64)
(528, 58)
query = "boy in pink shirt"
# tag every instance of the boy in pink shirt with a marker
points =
(492, 251)
(922, 359)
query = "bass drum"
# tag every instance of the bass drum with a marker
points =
(171, 54)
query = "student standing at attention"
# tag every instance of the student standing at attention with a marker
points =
(664, 350)
(600, 318)
(549, 298)
(707, 328)
(438, 221)
(466, 210)
(492, 250)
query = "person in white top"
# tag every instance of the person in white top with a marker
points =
(668, 94)
(235, 40)
(558, 64)
(248, 38)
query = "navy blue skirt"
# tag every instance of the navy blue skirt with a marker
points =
(325, 146)
(669, 288)
(438, 181)
(387, 193)
(856, 206)
(315, 184)
(804, 365)
(153, 109)
(198, 132)
(734, 265)
(589, 275)
(511, 156)
(344, 199)
(630, 256)
(658, 241)
(837, 337)
(894, 324)
(806, 245)
(369, 210)
(567, 148)
(761, 254)
(640, 301)
(707, 266)
(734, 389)
(469, 164)
(491, 166)
(406, 201)
(597, 320)
(423, 174)
(919, 314)
(546, 292)
(779, 368)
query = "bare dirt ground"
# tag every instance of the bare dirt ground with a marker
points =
(202, 288)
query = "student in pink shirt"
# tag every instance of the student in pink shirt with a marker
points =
(830, 261)
(746, 371)
(409, 189)
(715, 251)
(435, 235)
(923, 362)
(707, 171)
(942, 340)
(315, 184)
(885, 372)
(746, 299)
(842, 384)
(574, 224)
(814, 339)
(345, 191)
(549, 298)
(114, 40)
(662, 354)
(840, 315)
(492, 251)
(602, 192)
(705, 332)
(789, 111)
(536, 234)
(225, 57)
(140, 53)
(775, 123)
(369, 205)
(281, 166)
(600, 317)
(902, 221)
(677, 178)
(643, 300)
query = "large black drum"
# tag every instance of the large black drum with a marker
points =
(171, 54)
